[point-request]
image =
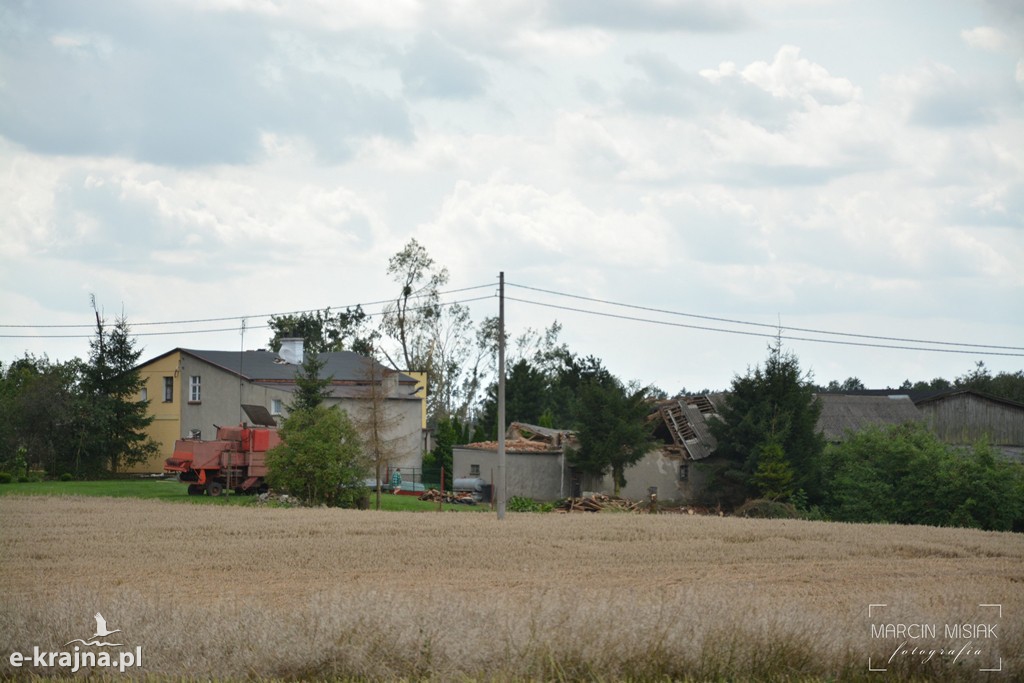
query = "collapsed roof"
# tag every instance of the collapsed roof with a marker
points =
(682, 424)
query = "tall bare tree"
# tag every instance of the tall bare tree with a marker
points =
(374, 422)
(431, 336)
(410, 318)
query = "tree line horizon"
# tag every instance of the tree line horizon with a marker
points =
(83, 417)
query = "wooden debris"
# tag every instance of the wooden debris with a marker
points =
(598, 502)
(519, 445)
(435, 496)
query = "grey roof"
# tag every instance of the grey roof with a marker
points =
(842, 413)
(683, 422)
(267, 366)
(403, 392)
(951, 393)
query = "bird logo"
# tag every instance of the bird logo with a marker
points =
(101, 632)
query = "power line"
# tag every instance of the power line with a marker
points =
(757, 334)
(238, 317)
(768, 325)
(221, 329)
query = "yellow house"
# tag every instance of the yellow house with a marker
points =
(421, 391)
(161, 377)
(191, 392)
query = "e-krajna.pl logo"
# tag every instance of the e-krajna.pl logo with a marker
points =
(78, 657)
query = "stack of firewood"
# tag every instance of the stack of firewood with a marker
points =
(435, 496)
(598, 502)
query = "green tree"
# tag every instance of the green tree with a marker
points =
(40, 402)
(115, 433)
(326, 331)
(320, 459)
(774, 475)
(448, 433)
(569, 376)
(312, 387)
(771, 404)
(1008, 385)
(905, 474)
(849, 384)
(527, 397)
(1004, 385)
(936, 385)
(612, 429)
(539, 371)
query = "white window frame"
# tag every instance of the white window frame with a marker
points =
(195, 389)
(276, 406)
(168, 389)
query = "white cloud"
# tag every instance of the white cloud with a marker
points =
(651, 15)
(539, 229)
(985, 38)
(333, 15)
(792, 76)
(279, 153)
(937, 96)
(572, 42)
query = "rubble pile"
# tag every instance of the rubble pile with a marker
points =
(461, 497)
(598, 502)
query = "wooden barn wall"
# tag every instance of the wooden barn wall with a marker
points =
(966, 419)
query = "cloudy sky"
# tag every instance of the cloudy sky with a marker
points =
(847, 166)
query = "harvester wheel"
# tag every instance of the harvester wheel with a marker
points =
(196, 489)
(214, 488)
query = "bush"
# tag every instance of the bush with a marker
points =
(906, 475)
(320, 459)
(767, 509)
(523, 504)
(67, 476)
(6, 478)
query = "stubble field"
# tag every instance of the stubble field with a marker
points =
(233, 592)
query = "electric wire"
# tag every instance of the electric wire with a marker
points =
(960, 347)
(222, 329)
(768, 325)
(756, 334)
(243, 317)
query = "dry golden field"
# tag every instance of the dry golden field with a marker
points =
(237, 592)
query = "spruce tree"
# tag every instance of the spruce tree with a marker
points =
(772, 404)
(312, 388)
(113, 434)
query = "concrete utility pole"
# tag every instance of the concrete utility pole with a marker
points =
(501, 396)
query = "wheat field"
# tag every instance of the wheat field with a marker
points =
(255, 593)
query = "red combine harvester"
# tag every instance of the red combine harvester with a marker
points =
(237, 459)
